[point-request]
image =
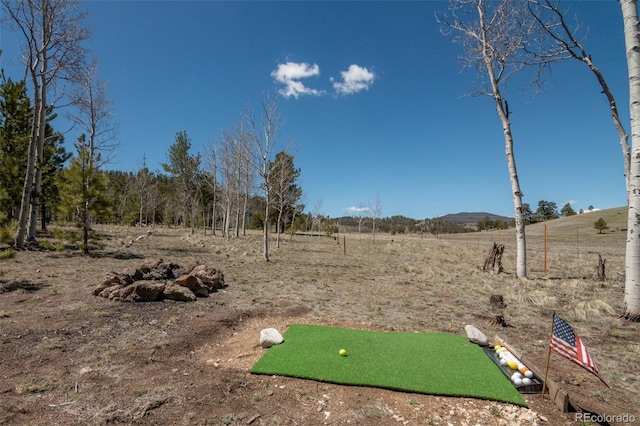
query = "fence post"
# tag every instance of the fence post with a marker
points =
(545, 248)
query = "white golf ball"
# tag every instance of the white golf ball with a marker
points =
(526, 381)
(528, 374)
(517, 381)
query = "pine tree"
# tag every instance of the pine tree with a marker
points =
(184, 168)
(600, 225)
(83, 192)
(15, 118)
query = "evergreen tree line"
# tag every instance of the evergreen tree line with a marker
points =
(221, 196)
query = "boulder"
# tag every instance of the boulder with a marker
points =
(106, 292)
(133, 273)
(211, 277)
(173, 291)
(103, 285)
(270, 337)
(476, 336)
(139, 291)
(193, 284)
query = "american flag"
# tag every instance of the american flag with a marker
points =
(566, 343)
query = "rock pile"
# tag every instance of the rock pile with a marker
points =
(161, 280)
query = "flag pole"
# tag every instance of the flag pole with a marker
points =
(546, 370)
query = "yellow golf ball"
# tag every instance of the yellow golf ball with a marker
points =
(343, 352)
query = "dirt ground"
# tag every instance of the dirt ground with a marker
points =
(68, 357)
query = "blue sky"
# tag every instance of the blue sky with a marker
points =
(374, 101)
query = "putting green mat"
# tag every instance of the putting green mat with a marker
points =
(429, 363)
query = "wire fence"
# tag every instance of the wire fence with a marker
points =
(554, 254)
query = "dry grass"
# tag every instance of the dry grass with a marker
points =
(141, 354)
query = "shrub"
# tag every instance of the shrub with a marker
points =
(7, 254)
(8, 232)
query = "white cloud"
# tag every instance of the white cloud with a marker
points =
(358, 209)
(354, 80)
(290, 75)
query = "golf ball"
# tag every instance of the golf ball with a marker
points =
(526, 381)
(343, 352)
(517, 381)
(512, 364)
(528, 374)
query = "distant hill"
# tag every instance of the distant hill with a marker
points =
(461, 222)
(472, 218)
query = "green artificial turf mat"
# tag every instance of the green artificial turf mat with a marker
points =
(429, 363)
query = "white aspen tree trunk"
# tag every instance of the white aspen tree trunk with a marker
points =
(39, 154)
(293, 221)
(227, 222)
(521, 243)
(266, 228)
(267, 199)
(237, 224)
(278, 229)
(516, 193)
(25, 202)
(213, 213)
(140, 212)
(244, 213)
(632, 253)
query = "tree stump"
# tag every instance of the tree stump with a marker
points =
(496, 302)
(599, 274)
(493, 262)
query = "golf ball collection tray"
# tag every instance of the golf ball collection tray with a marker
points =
(524, 380)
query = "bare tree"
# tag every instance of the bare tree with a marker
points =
(362, 213)
(248, 186)
(375, 215)
(245, 176)
(317, 215)
(94, 116)
(52, 31)
(632, 254)
(211, 165)
(265, 132)
(493, 35)
(566, 44)
(231, 156)
(297, 208)
(286, 192)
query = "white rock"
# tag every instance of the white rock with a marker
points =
(270, 337)
(476, 336)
